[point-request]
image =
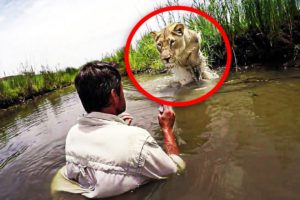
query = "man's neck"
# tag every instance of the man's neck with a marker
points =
(109, 110)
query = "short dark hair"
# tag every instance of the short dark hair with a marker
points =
(94, 83)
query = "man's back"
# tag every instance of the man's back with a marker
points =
(107, 157)
(103, 141)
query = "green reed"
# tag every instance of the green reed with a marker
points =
(29, 84)
(143, 56)
(236, 17)
(116, 57)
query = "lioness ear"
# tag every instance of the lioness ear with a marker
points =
(153, 34)
(178, 29)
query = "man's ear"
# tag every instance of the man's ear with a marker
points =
(178, 29)
(114, 96)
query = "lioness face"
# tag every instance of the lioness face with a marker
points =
(170, 43)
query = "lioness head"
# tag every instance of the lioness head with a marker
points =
(170, 43)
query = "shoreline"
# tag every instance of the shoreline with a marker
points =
(265, 65)
(28, 85)
(251, 51)
(8, 103)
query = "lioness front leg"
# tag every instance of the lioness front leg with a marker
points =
(195, 73)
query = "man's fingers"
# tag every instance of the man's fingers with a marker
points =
(161, 109)
(125, 116)
(167, 107)
(159, 116)
(129, 121)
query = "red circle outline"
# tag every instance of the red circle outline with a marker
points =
(179, 103)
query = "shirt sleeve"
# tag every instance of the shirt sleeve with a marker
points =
(158, 165)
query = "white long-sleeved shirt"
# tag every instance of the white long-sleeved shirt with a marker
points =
(105, 157)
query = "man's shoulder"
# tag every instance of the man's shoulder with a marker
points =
(134, 131)
(118, 143)
(117, 129)
(138, 129)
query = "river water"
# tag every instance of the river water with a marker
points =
(241, 143)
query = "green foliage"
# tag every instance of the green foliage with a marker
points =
(28, 83)
(145, 55)
(296, 50)
(116, 57)
(236, 17)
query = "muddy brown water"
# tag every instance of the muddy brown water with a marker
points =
(241, 143)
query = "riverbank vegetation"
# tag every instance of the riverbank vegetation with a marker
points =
(17, 89)
(259, 31)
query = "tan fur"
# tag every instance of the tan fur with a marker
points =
(179, 49)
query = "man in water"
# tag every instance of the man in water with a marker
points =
(105, 155)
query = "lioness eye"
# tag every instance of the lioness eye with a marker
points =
(159, 45)
(172, 42)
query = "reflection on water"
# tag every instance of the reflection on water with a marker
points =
(242, 143)
(164, 87)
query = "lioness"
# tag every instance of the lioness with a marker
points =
(179, 49)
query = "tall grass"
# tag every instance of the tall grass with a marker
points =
(145, 48)
(28, 84)
(116, 57)
(265, 17)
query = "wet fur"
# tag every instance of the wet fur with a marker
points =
(179, 49)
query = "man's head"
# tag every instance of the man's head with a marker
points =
(100, 89)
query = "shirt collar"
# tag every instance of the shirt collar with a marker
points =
(104, 116)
